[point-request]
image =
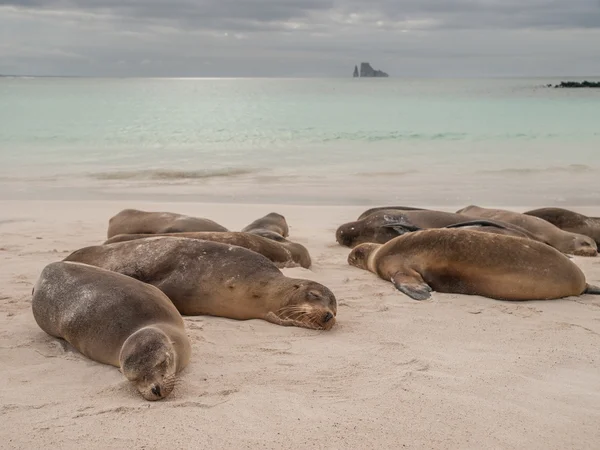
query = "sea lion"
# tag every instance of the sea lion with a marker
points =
(203, 277)
(271, 223)
(469, 262)
(368, 212)
(570, 221)
(283, 254)
(114, 319)
(564, 241)
(133, 221)
(384, 225)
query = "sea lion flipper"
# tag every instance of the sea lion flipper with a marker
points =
(413, 286)
(272, 317)
(401, 228)
(476, 223)
(591, 289)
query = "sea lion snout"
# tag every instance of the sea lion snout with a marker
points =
(327, 317)
(586, 252)
(156, 390)
(343, 238)
(585, 247)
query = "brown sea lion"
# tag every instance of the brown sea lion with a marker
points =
(134, 221)
(283, 254)
(271, 223)
(570, 221)
(384, 225)
(564, 241)
(469, 262)
(210, 278)
(116, 320)
(368, 212)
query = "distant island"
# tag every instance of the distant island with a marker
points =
(577, 84)
(367, 71)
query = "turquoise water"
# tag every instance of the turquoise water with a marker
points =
(185, 136)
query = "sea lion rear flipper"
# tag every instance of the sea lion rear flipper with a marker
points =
(591, 289)
(412, 285)
(479, 223)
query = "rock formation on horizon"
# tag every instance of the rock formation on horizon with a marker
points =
(355, 74)
(577, 84)
(367, 71)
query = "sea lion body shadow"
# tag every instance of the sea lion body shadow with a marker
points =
(134, 221)
(473, 263)
(209, 278)
(564, 241)
(116, 320)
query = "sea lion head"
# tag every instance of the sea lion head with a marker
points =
(148, 360)
(359, 256)
(584, 246)
(280, 222)
(268, 234)
(348, 233)
(309, 305)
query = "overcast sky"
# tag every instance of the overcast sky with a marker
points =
(299, 37)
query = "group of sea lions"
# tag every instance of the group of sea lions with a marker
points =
(495, 253)
(120, 303)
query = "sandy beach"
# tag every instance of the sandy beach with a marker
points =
(456, 372)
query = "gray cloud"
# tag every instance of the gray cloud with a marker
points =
(291, 37)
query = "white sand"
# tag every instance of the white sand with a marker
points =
(456, 372)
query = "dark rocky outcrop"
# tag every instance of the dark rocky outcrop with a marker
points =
(355, 74)
(577, 84)
(367, 71)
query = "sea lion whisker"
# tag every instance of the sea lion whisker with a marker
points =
(295, 315)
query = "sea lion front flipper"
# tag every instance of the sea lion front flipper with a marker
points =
(399, 224)
(477, 223)
(412, 285)
(401, 228)
(272, 317)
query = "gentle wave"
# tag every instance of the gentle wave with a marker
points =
(439, 136)
(161, 174)
(386, 174)
(571, 168)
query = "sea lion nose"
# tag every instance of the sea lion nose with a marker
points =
(156, 390)
(327, 317)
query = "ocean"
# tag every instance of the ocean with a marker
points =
(431, 142)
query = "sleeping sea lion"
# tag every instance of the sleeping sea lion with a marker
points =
(209, 278)
(134, 221)
(473, 263)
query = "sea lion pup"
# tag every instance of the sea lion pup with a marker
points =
(133, 221)
(271, 223)
(210, 278)
(116, 320)
(570, 221)
(283, 254)
(384, 225)
(368, 212)
(564, 241)
(469, 262)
